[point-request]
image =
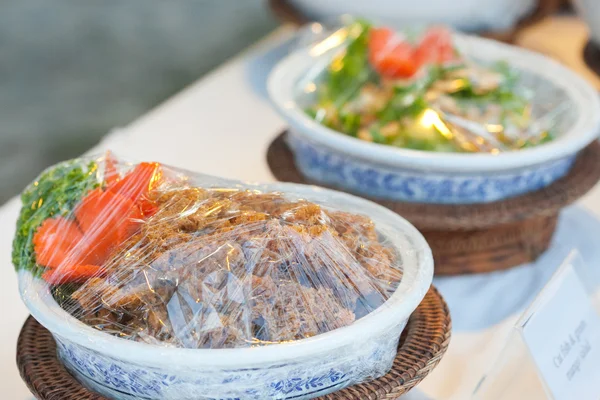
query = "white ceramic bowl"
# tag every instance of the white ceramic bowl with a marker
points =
(124, 369)
(330, 157)
(464, 14)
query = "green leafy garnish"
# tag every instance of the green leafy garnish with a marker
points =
(350, 123)
(362, 100)
(56, 192)
(376, 135)
(350, 67)
(399, 108)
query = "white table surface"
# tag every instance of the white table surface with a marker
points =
(222, 125)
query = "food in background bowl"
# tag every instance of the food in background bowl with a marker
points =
(160, 283)
(560, 106)
(421, 93)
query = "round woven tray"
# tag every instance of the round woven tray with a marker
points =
(421, 347)
(477, 238)
(287, 12)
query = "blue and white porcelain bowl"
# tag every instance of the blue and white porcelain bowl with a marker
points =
(335, 159)
(124, 369)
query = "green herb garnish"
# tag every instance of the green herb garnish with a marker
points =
(350, 67)
(399, 108)
(357, 97)
(56, 192)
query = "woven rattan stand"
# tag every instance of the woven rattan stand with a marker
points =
(421, 348)
(479, 238)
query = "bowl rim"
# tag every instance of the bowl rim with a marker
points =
(415, 283)
(281, 86)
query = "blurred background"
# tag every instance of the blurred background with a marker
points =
(72, 70)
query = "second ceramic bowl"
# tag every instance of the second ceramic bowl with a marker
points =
(329, 157)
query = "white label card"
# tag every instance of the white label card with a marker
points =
(562, 332)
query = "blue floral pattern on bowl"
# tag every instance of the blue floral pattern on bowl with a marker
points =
(119, 380)
(323, 165)
(111, 374)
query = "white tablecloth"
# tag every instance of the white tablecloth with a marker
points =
(222, 125)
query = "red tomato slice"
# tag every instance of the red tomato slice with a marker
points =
(57, 243)
(130, 225)
(436, 47)
(88, 209)
(107, 220)
(147, 208)
(143, 178)
(379, 38)
(390, 55)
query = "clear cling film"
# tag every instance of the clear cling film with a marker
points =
(160, 283)
(157, 255)
(423, 88)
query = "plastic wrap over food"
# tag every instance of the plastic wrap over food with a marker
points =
(157, 255)
(425, 89)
